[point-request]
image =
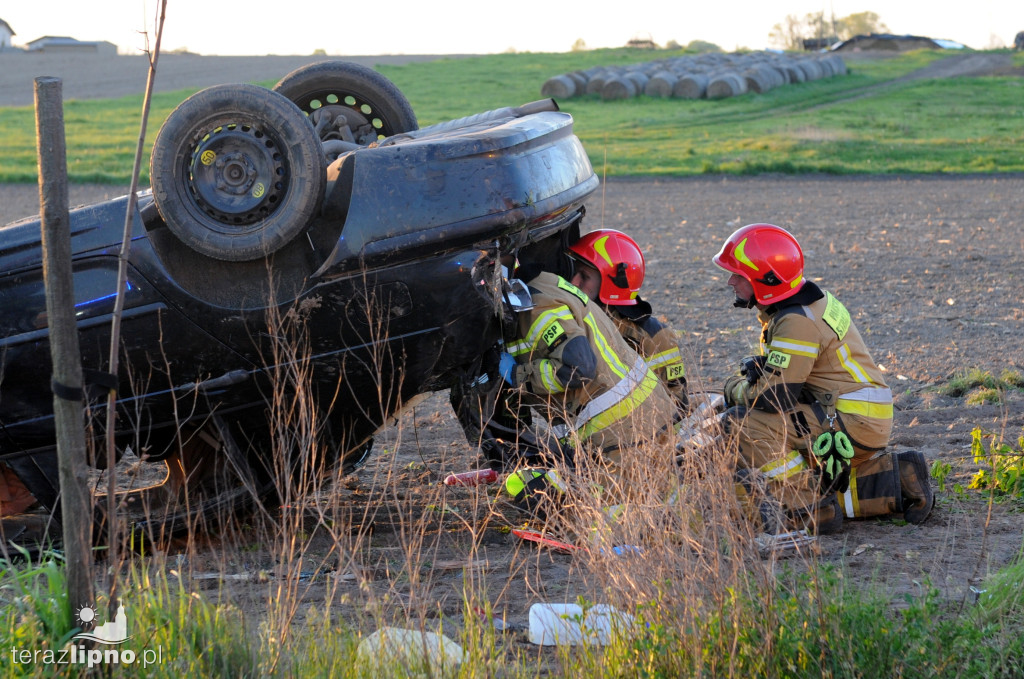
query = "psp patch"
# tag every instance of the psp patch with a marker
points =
(675, 371)
(778, 359)
(553, 334)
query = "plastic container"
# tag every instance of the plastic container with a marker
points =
(394, 651)
(567, 625)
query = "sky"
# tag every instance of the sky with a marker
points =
(259, 27)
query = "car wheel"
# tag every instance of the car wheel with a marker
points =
(348, 102)
(237, 172)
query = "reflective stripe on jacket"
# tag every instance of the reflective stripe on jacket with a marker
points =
(812, 349)
(622, 404)
(659, 345)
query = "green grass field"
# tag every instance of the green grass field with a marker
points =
(863, 122)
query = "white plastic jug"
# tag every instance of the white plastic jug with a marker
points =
(566, 624)
(392, 649)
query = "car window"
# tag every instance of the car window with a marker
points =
(23, 297)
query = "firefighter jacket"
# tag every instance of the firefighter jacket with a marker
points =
(813, 354)
(573, 361)
(657, 343)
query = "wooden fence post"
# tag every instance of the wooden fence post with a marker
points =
(75, 497)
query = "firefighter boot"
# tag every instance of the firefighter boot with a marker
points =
(824, 518)
(915, 489)
(828, 517)
(757, 503)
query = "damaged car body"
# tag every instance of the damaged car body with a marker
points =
(380, 282)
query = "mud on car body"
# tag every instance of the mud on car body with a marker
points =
(371, 276)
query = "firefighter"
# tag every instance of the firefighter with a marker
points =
(568, 360)
(610, 269)
(812, 412)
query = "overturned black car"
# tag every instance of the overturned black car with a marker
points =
(305, 251)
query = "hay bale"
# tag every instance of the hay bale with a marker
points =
(794, 72)
(757, 80)
(661, 84)
(763, 77)
(691, 86)
(596, 84)
(639, 79)
(559, 87)
(726, 84)
(580, 78)
(838, 65)
(619, 87)
(812, 69)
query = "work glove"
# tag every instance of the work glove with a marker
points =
(752, 367)
(507, 368)
(834, 452)
(535, 490)
(734, 390)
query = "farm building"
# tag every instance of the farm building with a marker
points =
(6, 34)
(62, 44)
(885, 42)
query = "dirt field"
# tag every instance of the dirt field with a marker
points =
(928, 266)
(93, 76)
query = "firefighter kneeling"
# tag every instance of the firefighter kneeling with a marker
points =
(812, 413)
(566, 358)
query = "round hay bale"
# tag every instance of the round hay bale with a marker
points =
(639, 79)
(838, 65)
(757, 80)
(795, 73)
(559, 87)
(777, 75)
(619, 87)
(596, 84)
(727, 84)
(661, 84)
(812, 69)
(691, 86)
(580, 79)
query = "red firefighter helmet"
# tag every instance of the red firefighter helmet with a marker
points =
(768, 257)
(618, 259)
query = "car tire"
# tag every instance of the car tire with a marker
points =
(373, 106)
(237, 172)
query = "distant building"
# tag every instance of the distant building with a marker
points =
(6, 35)
(885, 42)
(642, 41)
(818, 44)
(63, 44)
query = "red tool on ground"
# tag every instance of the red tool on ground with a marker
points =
(477, 477)
(539, 538)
